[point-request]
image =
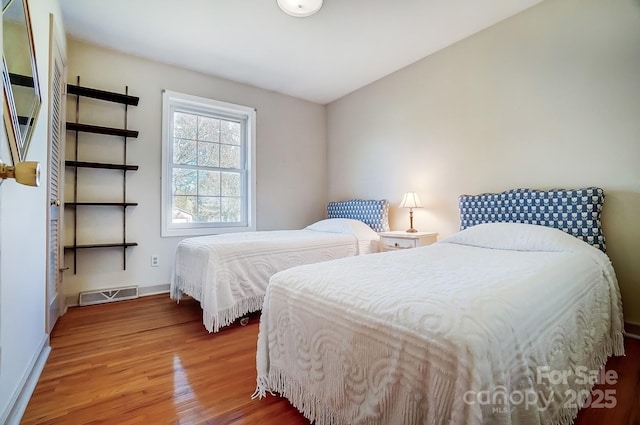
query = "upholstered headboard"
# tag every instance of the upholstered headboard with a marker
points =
(575, 211)
(375, 213)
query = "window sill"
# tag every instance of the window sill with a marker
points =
(205, 231)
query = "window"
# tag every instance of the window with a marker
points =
(208, 171)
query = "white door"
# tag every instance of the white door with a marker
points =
(57, 132)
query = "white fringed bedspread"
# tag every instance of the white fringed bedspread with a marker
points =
(415, 336)
(229, 273)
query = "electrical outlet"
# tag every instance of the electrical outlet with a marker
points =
(155, 261)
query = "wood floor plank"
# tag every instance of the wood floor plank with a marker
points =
(150, 361)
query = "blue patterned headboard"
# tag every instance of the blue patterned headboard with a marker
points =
(575, 211)
(375, 213)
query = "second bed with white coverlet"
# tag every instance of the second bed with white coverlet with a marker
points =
(459, 332)
(229, 273)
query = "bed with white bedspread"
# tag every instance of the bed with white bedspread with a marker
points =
(459, 332)
(228, 273)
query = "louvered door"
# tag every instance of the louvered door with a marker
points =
(55, 295)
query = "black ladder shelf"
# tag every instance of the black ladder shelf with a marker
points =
(125, 133)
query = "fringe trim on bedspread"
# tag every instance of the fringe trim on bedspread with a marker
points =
(262, 388)
(175, 293)
(318, 413)
(213, 321)
(306, 403)
(179, 287)
(612, 346)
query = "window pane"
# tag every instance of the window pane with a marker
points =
(207, 147)
(184, 181)
(183, 209)
(230, 184)
(230, 132)
(230, 211)
(184, 152)
(208, 183)
(229, 156)
(208, 154)
(208, 209)
(185, 126)
(208, 129)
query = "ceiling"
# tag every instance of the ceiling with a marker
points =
(345, 46)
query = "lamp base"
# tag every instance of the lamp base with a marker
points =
(412, 230)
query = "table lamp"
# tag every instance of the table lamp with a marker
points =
(410, 200)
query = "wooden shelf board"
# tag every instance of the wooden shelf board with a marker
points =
(103, 95)
(110, 131)
(103, 165)
(101, 245)
(102, 204)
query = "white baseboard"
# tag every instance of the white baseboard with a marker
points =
(22, 394)
(54, 312)
(71, 300)
(632, 330)
(154, 290)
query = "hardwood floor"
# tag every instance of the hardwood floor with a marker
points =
(150, 361)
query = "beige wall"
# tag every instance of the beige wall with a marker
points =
(548, 98)
(291, 162)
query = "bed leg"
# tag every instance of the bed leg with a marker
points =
(244, 321)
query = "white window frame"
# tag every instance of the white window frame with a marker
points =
(174, 101)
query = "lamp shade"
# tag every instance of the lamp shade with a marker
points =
(410, 200)
(300, 8)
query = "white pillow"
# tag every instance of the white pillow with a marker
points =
(344, 225)
(517, 237)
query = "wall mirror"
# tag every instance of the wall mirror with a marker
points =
(20, 77)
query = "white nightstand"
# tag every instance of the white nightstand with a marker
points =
(390, 241)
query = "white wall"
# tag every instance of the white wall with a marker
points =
(291, 162)
(23, 246)
(548, 98)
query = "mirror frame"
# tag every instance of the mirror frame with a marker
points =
(20, 142)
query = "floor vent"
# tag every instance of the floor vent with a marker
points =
(108, 295)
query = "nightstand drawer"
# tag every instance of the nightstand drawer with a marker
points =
(390, 241)
(397, 243)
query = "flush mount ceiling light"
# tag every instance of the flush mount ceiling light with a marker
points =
(300, 8)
